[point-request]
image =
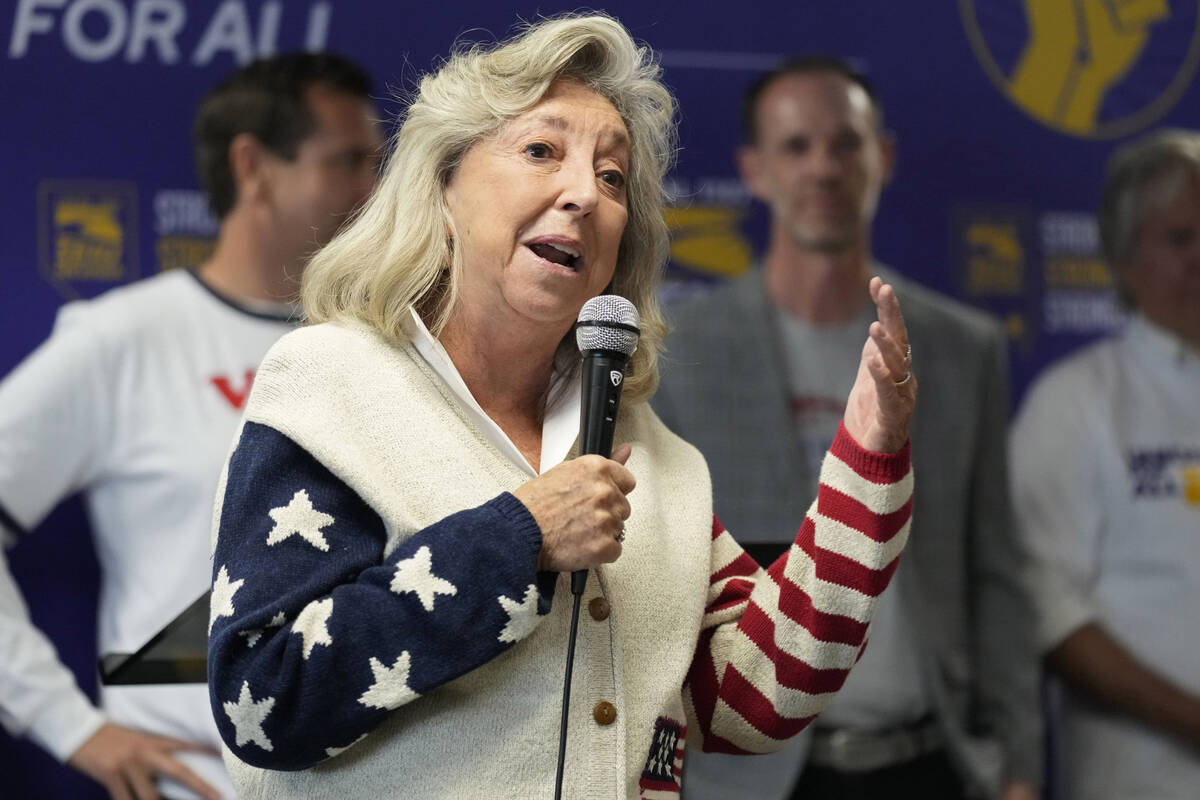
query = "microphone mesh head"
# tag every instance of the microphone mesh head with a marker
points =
(604, 324)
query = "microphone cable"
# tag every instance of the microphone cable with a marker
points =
(577, 587)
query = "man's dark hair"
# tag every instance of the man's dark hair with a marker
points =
(266, 99)
(803, 65)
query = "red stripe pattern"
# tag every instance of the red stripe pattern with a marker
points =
(778, 643)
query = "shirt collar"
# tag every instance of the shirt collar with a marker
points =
(560, 427)
(263, 309)
(1158, 342)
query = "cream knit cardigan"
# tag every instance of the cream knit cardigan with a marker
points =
(700, 645)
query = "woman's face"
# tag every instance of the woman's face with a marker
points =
(539, 208)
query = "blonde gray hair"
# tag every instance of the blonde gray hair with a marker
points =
(397, 253)
(1143, 176)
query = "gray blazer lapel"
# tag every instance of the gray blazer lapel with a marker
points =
(733, 404)
(769, 406)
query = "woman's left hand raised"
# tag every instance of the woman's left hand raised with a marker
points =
(880, 407)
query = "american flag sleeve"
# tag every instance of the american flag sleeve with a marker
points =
(776, 644)
(315, 635)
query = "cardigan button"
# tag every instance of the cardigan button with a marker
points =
(599, 608)
(605, 713)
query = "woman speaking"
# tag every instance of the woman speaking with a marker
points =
(390, 606)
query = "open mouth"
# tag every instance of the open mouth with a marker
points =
(556, 254)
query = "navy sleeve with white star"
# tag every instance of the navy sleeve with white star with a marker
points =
(315, 637)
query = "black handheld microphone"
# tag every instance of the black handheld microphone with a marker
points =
(607, 334)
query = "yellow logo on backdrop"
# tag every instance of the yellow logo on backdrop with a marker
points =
(707, 239)
(1068, 60)
(1191, 485)
(991, 247)
(87, 232)
(996, 260)
(88, 240)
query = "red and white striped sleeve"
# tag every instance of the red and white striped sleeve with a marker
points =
(776, 644)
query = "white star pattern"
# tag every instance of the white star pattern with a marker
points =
(522, 617)
(247, 716)
(300, 517)
(415, 575)
(337, 751)
(253, 636)
(311, 624)
(390, 689)
(220, 603)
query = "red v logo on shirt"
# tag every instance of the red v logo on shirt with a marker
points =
(236, 398)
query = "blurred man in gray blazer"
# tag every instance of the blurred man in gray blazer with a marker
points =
(944, 702)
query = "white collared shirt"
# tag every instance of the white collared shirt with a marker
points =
(560, 427)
